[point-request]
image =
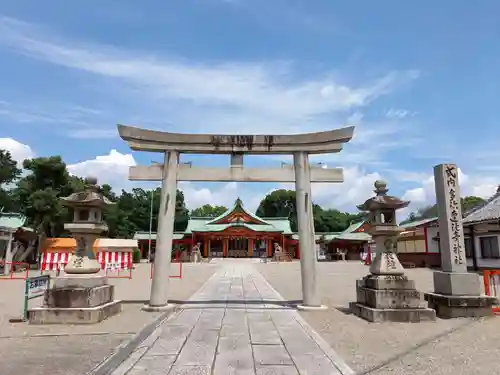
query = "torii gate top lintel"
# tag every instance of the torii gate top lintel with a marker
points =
(312, 143)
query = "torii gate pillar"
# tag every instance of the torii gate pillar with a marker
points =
(172, 144)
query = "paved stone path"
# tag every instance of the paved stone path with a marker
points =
(235, 324)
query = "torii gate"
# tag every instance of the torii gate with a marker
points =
(172, 144)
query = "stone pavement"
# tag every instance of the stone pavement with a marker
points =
(235, 324)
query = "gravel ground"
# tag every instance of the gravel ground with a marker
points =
(457, 346)
(57, 349)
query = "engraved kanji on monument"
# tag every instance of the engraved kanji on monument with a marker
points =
(457, 293)
(451, 235)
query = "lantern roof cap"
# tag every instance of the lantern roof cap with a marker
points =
(90, 197)
(381, 200)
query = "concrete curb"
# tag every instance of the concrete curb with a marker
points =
(123, 351)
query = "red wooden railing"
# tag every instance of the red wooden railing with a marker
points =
(176, 260)
(12, 274)
(491, 279)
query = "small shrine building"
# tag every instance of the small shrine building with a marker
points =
(237, 233)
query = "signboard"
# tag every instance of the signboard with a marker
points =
(115, 266)
(35, 287)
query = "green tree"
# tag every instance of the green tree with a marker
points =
(38, 197)
(132, 211)
(279, 203)
(208, 210)
(427, 212)
(8, 174)
(38, 193)
(332, 220)
(470, 202)
(282, 203)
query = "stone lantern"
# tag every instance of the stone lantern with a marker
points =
(384, 230)
(80, 296)
(386, 294)
(87, 225)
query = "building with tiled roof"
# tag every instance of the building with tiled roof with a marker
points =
(482, 234)
(240, 233)
(236, 233)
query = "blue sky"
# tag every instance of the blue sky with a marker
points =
(420, 81)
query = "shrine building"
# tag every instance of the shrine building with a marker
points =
(237, 233)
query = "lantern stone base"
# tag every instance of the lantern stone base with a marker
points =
(76, 300)
(389, 298)
(448, 306)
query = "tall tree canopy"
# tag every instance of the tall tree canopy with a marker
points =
(281, 203)
(8, 174)
(208, 210)
(427, 212)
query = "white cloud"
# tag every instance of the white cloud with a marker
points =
(108, 169)
(356, 188)
(260, 91)
(425, 195)
(395, 113)
(224, 196)
(113, 169)
(18, 150)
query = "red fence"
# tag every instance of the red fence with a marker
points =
(177, 260)
(491, 279)
(119, 272)
(13, 275)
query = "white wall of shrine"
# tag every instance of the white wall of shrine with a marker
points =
(487, 246)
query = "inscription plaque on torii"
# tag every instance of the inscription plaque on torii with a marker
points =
(302, 174)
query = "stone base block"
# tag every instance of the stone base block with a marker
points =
(447, 306)
(389, 298)
(79, 297)
(90, 315)
(387, 282)
(82, 281)
(412, 315)
(456, 284)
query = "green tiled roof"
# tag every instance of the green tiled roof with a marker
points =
(238, 206)
(200, 224)
(266, 224)
(361, 236)
(11, 220)
(354, 227)
(417, 223)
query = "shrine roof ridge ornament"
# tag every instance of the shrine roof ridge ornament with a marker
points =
(158, 141)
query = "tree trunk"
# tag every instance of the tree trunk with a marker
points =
(37, 244)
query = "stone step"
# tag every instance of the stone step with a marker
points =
(90, 315)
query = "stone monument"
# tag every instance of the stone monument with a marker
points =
(80, 296)
(457, 293)
(386, 294)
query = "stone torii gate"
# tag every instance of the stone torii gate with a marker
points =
(173, 144)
